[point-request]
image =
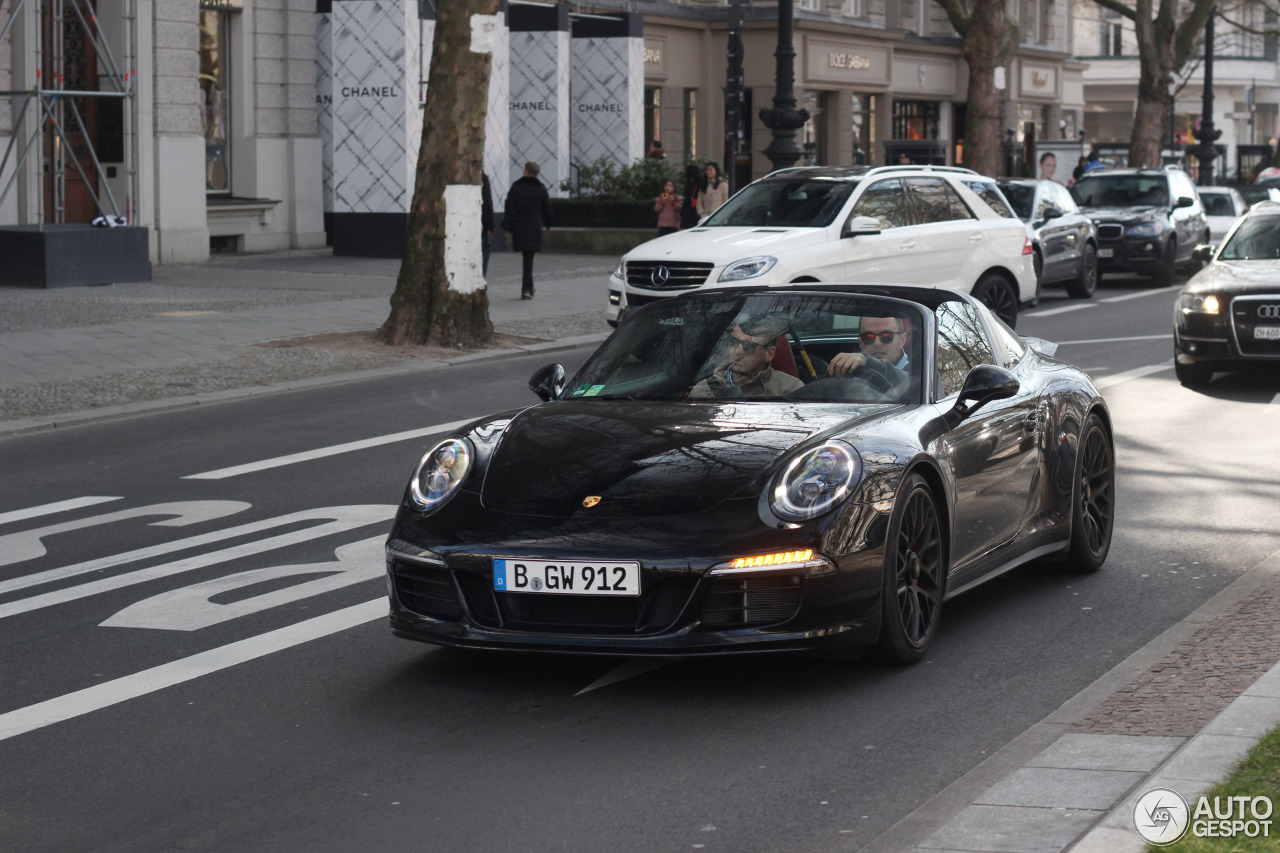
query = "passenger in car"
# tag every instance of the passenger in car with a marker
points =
(884, 343)
(748, 371)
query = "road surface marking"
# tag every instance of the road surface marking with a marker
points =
(1140, 293)
(27, 545)
(1136, 373)
(1164, 337)
(280, 461)
(50, 509)
(629, 669)
(340, 519)
(119, 690)
(1079, 306)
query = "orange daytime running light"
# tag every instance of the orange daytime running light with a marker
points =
(772, 559)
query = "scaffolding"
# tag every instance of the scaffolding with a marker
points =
(48, 116)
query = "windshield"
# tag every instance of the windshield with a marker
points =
(794, 203)
(1021, 197)
(774, 346)
(1257, 239)
(1218, 204)
(1121, 191)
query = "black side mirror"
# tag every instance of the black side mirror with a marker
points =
(547, 382)
(1052, 213)
(1202, 253)
(1184, 201)
(985, 383)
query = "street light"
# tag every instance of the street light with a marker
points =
(1207, 135)
(784, 119)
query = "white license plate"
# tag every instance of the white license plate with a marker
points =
(562, 578)
(1266, 333)
(1106, 253)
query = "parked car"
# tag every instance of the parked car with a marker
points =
(1228, 315)
(901, 224)
(1222, 207)
(647, 508)
(1255, 193)
(1063, 239)
(1148, 221)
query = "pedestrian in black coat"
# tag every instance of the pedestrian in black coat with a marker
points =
(694, 182)
(528, 211)
(486, 222)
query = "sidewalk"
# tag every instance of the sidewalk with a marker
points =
(197, 332)
(1177, 713)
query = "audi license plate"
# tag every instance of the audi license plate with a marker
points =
(1266, 333)
(561, 578)
(1106, 253)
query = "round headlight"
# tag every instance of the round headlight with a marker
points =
(440, 473)
(815, 481)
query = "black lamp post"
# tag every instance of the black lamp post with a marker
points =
(784, 119)
(1206, 151)
(733, 92)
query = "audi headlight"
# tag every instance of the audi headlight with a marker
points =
(1198, 303)
(440, 473)
(815, 481)
(747, 268)
(1142, 229)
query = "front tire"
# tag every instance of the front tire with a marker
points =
(998, 295)
(1093, 498)
(1163, 276)
(915, 570)
(1191, 375)
(1087, 282)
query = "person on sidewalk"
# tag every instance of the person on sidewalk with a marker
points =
(528, 214)
(667, 206)
(715, 192)
(486, 223)
(694, 181)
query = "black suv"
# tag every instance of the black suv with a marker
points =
(1148, 220)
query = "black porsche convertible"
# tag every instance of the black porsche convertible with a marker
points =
(812, 467)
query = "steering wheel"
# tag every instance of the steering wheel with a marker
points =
(850, 388)
(872, 373)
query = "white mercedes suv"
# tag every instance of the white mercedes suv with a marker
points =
(923, 225)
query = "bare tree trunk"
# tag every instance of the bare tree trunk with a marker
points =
(440, 296)
(1155, 82)
(984, 117)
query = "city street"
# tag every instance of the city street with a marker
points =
(196, 657)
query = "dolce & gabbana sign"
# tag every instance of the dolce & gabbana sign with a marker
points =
(830, 60)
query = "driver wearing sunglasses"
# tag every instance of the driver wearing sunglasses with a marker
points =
(748, 372)
(884, 343)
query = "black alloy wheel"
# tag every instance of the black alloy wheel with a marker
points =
(998, 295)
(1093, 501)
(1084, 286)
(1037, 262)
(914, 575)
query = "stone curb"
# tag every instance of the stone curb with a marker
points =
(145, 407)
(920, 824)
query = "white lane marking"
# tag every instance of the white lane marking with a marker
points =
(320, 453)
(343, 518)
(50, 509)
(1140, 294)
(27, 545)
(119, 690)
(1079, 306)
(191, 608)
(1165, 337)
(1136, 373)
(630, 669)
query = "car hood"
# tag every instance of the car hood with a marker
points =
(647, 459)
(1124, 214)
(1261, 276)
(722, 244)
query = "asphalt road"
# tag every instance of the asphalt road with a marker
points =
(292, 720)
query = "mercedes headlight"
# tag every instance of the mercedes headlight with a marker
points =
(747, 268)
(815, 481)
(1142, 229)
(621, 271)
(1198, 303)
(440, 473)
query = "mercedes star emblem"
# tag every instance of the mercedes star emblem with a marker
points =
(659, 275)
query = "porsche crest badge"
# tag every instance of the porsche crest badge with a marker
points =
(590, 501)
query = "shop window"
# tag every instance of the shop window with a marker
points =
(690, 123)
(864, 129)
(652, 113)
(215, 91)
(815, 129)
(915, 119)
